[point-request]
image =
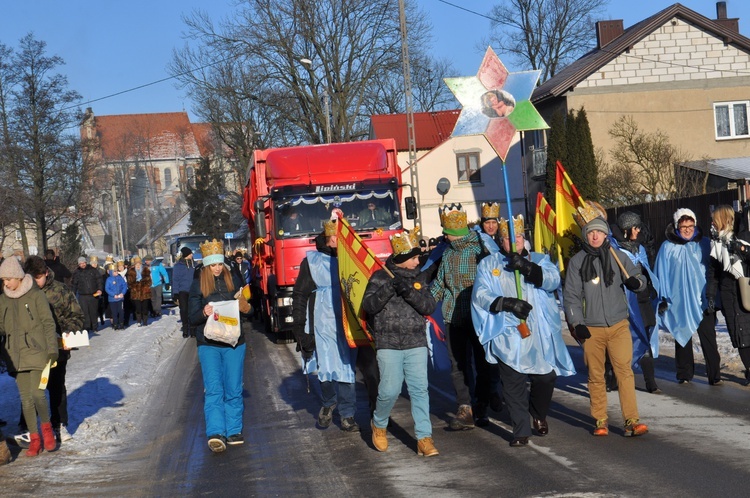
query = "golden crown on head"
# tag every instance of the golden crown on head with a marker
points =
(213, 247)
(588, 212)
(404, 242)
(453, 216)
(490, 210)
(504, 230)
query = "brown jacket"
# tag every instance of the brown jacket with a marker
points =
(139, 291)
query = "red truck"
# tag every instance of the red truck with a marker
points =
(290, 193)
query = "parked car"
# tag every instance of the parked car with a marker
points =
(166, 288)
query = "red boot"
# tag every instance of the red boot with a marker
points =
(35, 447)
(48, 436)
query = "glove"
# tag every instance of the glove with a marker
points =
(711, 308)
(175, 299)
(582, 332)
(632, 283)
(402, 286)
(306, 342)
(52, 358)
(244, 305)
(307, 355)
(663, 306)
(518, 262)
(518, 307)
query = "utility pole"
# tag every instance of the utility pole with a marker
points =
(409, 113)
(118, 220)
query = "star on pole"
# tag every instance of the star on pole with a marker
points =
(495, 103)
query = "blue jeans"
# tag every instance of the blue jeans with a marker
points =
(395, 367)
(347, 396)
(223, 405)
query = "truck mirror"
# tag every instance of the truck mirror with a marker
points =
(260, 219)
(410, 205)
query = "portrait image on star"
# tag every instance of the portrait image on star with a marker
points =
(495, 103)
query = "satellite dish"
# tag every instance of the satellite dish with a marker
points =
(443, 186)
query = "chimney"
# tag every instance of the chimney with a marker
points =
(607, 31)
(721, 18)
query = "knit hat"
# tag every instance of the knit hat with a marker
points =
(186, 251)
(81, 260)
(433, 241)
(490, 211)
(213, 252)
(11, 268)
(238, 254)
(628, 220)
(596, 224)
(683, 212)
(405, 245)
(453, 220)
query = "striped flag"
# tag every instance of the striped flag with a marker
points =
(357, 263)
(567, 200)
(545, 238)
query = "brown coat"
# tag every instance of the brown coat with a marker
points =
(139, 291)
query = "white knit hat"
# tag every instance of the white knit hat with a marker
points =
(683, 212)
(11, 268)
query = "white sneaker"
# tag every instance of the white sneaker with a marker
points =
(62, 434)
(23, 440)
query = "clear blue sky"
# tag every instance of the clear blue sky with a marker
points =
(110, 47)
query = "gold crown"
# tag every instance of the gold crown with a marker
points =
(588, 212)
(490, 210)
(453, 217)
(213, 247)
(404, 242)
(329, 227)
(504, 230)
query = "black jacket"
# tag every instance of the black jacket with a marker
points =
(738, 318)
(304, 286)
(196, 303)
(398, 322)
(87, 281)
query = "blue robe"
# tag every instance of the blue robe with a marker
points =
(335, 359)
(544, 350)
(643, 336)
(681, 269)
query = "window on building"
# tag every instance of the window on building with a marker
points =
(190, 174)
(167, 176)
(731, 120)
(18, 234)
(467, 164)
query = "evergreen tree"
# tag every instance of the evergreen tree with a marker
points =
(71, 245)
(587, 167)
(557, 150)
(205, 201)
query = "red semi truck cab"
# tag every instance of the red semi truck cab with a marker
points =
(290, 193)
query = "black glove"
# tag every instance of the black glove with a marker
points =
(711, 308)
(307, 355)
(582, 332)
(402, 286)
(663, 306)
(518, 262)
(632, 283)
(52, 357)
(518, 307)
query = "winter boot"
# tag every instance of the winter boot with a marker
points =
(35, 446)
(426, 447)
(48, 435)
(463, 420)
(379, 438)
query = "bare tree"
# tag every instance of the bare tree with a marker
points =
(47, 170)
(648, 162)
(544, 34)
(251, 71)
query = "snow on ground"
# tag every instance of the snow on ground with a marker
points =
(112, 382)
(110, 385)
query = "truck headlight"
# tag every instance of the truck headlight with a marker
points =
(283, 301)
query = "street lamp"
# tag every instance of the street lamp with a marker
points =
(326, 99)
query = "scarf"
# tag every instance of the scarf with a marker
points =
(588, 271)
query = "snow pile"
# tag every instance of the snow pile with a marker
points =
(110, 386)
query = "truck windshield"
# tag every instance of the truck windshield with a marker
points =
(304, 215)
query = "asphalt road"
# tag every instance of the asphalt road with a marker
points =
(698, 445)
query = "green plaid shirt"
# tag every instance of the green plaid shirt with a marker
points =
(455, 277)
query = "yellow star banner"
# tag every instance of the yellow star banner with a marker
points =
(357, 263)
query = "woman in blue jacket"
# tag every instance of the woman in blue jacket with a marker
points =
(116, 287)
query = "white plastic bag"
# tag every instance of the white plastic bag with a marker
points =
(224, 324)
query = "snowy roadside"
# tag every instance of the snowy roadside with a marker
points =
(111, 385)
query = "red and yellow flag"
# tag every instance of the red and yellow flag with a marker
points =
(567, 200)
(545, 238)
(357, 263)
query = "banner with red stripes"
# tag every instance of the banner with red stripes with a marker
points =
(357, 263)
